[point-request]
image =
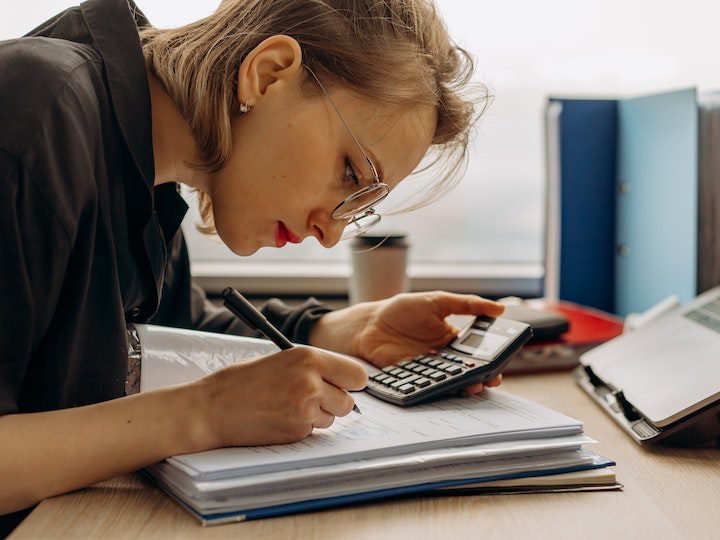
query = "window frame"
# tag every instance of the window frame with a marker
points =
(258, 278)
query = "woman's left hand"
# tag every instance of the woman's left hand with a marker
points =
(388, 331)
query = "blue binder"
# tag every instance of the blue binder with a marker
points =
(588, 132)
(628, 200)
(657, 211)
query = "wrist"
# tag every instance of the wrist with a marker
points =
(194, 402)
(340, 330)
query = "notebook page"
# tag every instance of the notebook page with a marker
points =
(384, 430)
(175, 356)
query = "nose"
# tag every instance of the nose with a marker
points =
(326, 229)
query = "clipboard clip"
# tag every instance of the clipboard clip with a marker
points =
(628, 410)
(618, 402)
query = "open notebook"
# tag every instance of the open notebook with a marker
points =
(386, 451)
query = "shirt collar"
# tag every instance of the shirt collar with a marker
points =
(113, 25)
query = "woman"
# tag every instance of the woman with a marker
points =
(278, 113)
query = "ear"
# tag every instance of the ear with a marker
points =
(274, 65)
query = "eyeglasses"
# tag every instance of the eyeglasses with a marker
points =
(358, 208)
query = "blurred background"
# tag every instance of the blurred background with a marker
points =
(492, 225)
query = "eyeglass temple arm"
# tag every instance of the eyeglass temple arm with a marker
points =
(352, 134)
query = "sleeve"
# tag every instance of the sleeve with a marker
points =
(184, 304)
(34, 250)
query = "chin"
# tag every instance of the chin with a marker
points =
(239, 246)
(243, 250)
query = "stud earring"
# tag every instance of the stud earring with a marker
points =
(244, 107)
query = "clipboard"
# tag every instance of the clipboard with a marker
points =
(661, 382)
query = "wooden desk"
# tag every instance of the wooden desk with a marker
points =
(669, 493)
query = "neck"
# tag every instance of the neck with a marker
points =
(173, 143)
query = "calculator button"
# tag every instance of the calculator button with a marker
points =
(411, 378)
(422, 382)
(446, 355)
(412, 366)
(445, 366)
(403, 374)
(388, 369)
(419, 357)
(397, 384)
(406, 388)
(435, 362)
(389, 381)
(380, 377)
(438, 376)
(420, 368)
(468, 363)
(424, 360)
(403, 364)
(427, 372)
(454, 370)
(397, 371)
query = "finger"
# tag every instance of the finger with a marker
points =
(495, 382)
(324, 419)
(343, 372)
(335, 401)
(473, 389)
(466, 304)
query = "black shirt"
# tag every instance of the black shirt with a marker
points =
(87, 243)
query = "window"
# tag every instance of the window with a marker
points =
(492, 224)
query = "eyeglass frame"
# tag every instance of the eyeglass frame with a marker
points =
(368, 210)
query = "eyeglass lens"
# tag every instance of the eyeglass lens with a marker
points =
(360, 225)
(360, 202)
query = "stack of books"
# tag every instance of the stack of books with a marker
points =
(387, 451)
(494, 442)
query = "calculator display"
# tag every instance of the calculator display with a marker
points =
(480, 344)
(473, 340)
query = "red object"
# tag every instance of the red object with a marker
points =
(588, 328)
(587, 325)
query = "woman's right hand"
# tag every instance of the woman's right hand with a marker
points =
(279, 398)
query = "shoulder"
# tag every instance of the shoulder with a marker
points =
(53, 105)
(36, 74)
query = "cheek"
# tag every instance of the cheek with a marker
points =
(276, 171)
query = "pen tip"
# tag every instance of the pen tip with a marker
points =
(356, 409)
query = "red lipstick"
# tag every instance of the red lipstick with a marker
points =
(283, 235)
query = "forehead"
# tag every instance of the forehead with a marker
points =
(396, 138)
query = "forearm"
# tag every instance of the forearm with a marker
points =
(48, 453)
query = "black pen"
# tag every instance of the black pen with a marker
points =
(246, 312)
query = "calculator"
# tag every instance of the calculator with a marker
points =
(478, 353)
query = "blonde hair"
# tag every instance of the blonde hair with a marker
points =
(396, 52)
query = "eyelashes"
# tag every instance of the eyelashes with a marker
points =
(349, 174)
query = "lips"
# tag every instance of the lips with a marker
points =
(283, 235)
